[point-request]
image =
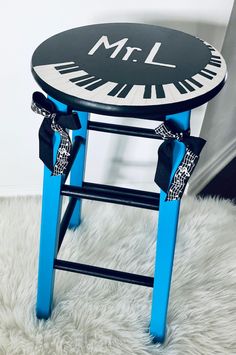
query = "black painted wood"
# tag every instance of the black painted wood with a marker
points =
(113, 194)
(128, 69)
(104, 273)
(122, 129)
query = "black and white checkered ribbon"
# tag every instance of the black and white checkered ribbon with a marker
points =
(54, 121)
(193, 145)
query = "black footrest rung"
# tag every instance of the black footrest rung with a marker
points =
(121, 190)
(122, 129)
(113, 194)
(103, 273)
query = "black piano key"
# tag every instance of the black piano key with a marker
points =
(195, 82)
(79, 78)
(205, 75)
(124, 92)
(215, 64)
(160, 93)
(210, 47)
(68, 70)
(209, 71)
(187, 85)
(215, 56)
(215, 60)
(115, 90)
(96, 85)
(180, 88)
(147, 92)
(65, 66)
(86, 81)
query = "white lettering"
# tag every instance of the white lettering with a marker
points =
(130, 51)
(151, 55)
(104, 41)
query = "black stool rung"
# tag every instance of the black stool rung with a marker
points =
(103, 273)
(66, 220)
(113, 194)
(118, 189)
(121, 129)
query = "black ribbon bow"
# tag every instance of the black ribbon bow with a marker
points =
(54, 121)
(169, 132)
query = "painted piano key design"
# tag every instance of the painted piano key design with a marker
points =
(110, 76)
(122, 90)
(63, 67)
(152, 93)
(91, 83)
(158, 89)
(67, 68)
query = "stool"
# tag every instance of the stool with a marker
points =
(128, 70)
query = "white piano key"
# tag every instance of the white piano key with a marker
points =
(131, 96)
(193, 85)
(64, 63)
(90, 83)
(153, 92)
(138, 99)
(168, 93)
(174, 94)
(65, 69)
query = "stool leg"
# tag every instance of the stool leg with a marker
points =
(78, 167)
(165, 246)
(50, 222)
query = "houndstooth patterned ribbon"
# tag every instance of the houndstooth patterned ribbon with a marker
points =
(169, 132)
(54, 121)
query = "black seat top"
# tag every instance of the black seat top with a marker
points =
(128, 69)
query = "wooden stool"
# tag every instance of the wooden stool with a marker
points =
(129, 70)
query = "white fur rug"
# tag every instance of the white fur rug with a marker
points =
(96, 316)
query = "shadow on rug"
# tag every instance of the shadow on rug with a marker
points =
(96, 316)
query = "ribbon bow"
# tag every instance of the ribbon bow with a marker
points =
(54, 121)
(169, 132)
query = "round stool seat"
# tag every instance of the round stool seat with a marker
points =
(128, 69)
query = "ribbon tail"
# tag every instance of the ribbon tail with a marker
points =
(63, 152)
(46, 143)
(175, 188)
(164, 165)
(185, 169)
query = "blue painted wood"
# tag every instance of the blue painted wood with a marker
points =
(165, 246)
(78, 167)
(50, 220)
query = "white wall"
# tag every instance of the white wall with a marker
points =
(219, 127)
(25, 24)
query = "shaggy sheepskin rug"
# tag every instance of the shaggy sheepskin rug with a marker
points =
(97, 316)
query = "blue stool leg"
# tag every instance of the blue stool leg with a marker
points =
(50, 221)
(78, 167)
(165, 246)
